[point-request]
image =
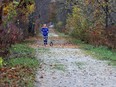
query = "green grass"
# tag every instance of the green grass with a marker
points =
(101, 52)
(23, 56)
(59, 67)
(28, 62)
(21, 50)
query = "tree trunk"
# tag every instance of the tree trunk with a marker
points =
(1, 12)
(107, 13)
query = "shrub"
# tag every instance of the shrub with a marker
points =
(110, 34)
(59, 26)
(90, 30)
(77, 24)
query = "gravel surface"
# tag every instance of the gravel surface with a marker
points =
(70, 67)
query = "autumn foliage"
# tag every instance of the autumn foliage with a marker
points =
(91, 21)
(14, 20)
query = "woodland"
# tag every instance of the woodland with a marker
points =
(90, 21)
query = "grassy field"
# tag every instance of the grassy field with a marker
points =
(100, 52)
(19, 69)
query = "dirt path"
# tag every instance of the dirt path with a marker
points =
(64, 65)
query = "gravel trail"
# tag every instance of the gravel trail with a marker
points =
(70, 67)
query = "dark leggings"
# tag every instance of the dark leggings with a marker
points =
(45, 40)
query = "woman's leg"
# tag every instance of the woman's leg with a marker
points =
(45, 40)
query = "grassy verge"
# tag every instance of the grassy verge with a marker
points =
(19, 69)
(101, 52)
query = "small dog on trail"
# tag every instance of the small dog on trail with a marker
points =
(51, 43)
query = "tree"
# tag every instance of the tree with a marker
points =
(42, 10)
(14, 19)
(1, 12)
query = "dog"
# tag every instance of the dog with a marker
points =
(51, 43)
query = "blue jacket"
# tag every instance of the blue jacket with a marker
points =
(44, 31)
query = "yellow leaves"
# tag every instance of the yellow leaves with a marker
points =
(8, 9)
(28, 10)
(9, 12)
(76, 9)
(1, 61)
(77, 21)
(31, 8)
(77, 14)
(89, 1)
(11, 8)
(5, 10)
(15, 3)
